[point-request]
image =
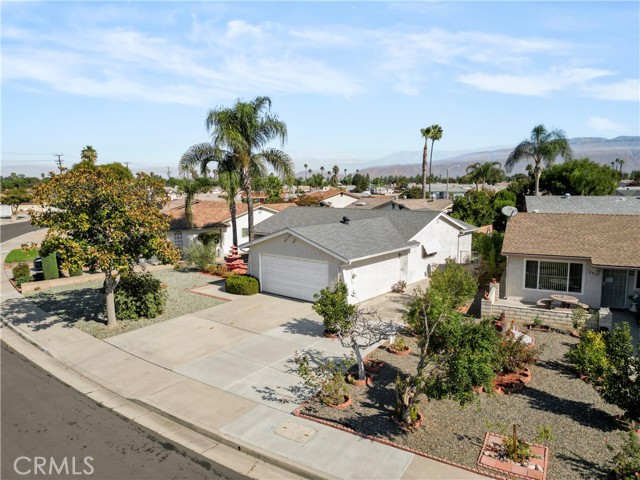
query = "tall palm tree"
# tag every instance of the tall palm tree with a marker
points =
(542, 146)
(305, 170)
(620, 162)
(484, 172)
(190, 187)
(433, 133)
(243, 132)
(201, 155)
(89, 154)
(322, 172)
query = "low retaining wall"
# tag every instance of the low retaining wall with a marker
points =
(525, 314)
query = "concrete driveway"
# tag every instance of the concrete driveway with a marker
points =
(244, 346)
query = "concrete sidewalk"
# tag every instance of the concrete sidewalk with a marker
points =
(178, 383)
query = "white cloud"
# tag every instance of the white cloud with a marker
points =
(605, 125)
(626, 90)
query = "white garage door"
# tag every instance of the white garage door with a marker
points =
(293, 277)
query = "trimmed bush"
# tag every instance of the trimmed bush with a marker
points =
(50, 267)
(242, 285)
(589, 357)
(75, 272)
(201, 255)
(139, 295)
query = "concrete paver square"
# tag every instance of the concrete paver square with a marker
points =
(259, 427)
(437, 471)
(179, 341)
(341, 454)
(200, 404)
(220, 369)
(301, 331)
(273, 388)
(262, 349)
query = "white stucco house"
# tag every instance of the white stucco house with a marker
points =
(334, 197)
(301, 250)
(593, 257)
(215, 217)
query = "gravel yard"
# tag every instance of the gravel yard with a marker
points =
(84, 306)
(582, 423)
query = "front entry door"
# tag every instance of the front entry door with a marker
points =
(614, 289)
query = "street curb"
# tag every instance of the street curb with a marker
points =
(257, 452)
(249, 450)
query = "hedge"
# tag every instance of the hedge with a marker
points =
(139, 295)
(50, 267)
(242, 285)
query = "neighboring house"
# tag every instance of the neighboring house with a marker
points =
(302, 250)
(372, 202)
(172, 193)
(334, 197)
(439, 190)
(438, 205)
(593, 257)
(383, 190)
(610, 205)
(214, 217)
(256, 197)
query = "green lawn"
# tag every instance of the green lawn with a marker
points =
(17, 255)
(83, 306)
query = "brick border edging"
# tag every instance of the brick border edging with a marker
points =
(298, 413)
(192, 290)
(545, 458)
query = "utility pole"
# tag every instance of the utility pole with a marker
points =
(127, 164)
(59, 161)
(168, 173)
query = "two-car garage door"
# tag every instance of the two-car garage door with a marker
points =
(293, 277)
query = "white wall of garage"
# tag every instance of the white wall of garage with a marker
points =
(374, 276)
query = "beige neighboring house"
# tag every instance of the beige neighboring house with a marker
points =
(334, 197)
(214, 217)
(593, 257)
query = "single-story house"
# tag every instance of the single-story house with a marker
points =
(593, 257)
(438, 204)
(334, 197)
(301, 250)
(629, 191)
(214, 217)
(373, 202)
(605, 204)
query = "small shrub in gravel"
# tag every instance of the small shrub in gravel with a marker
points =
(627, 460)
(21, 270)
(139, 295)
(514, 355)
(333, 306)
(589, 357)
(201, 255)
(326, 375)
(242, 285)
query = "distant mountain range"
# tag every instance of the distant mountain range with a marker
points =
(600, 150)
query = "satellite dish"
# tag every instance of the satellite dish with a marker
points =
(509, 211)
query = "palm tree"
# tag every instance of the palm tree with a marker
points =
(336, 171)
(89, 154)
(620, 162)
(484, 172)
(542, 146)
(305, 170)
(434, 132)
(191, 186)
(201, 155)
(243, 131)
(322, 172)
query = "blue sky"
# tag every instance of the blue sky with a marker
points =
(353, 81)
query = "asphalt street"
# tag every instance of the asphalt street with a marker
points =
(11, 230)
(42, 417)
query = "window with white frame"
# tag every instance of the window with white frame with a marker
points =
(556, 276)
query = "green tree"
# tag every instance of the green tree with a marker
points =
(89, 154)
(453, 283)
(434, 132)
(542, 146)
(501, 199)
(475, 207)
(15, 197)
(579, 177)
(200, 156)
(521, 185)
(334, 308)
(243, 132)
(483, 173)
(316, 180)
(98, 218)
(190, 187)
(361, 182)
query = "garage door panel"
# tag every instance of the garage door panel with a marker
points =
(293, 277)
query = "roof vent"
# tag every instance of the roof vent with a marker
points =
(566, 195)
(360, 204)
(345, 220)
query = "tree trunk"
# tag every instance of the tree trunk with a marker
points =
(234, 226)
(405, 400)
(188, 212)
(424, 170)
(430, 165)
(537, 171)
(246, 181)
(110, 284)
(362, 375)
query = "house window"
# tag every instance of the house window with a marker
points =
(556, 276)
(638, 280)
(245, 232)
(177, 239)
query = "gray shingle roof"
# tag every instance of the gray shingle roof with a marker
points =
(406, 223)
(610, 205)
(358, 239)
